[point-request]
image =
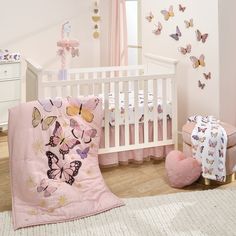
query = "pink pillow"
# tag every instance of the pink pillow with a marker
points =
(55, 175)
(181, 171)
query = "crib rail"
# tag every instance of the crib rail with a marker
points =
(158, 85)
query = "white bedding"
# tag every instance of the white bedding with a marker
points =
(132, 109)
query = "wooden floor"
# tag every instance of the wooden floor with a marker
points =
(125, 181)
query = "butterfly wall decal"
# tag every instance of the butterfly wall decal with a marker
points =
(48, 104)
(177, 35)
(198, 62)
(38, 119)
(168, 14)
(158, 29)
(84, 109)
(74, 52)
(149, 17)
(201, 85)
(83, 153)
(45, 188)
(182, 8)
(64, 143)
(189, 23)
(186, 50)
(207, 76)
(81, 132)
(201, 37)
(60, 170)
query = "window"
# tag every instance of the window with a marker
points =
(133, 12)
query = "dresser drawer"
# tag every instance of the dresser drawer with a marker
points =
(8, 71)
(10, 90)
(4, 106)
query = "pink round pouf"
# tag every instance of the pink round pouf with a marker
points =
(181, 171)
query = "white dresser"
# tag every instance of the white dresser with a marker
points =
(10, 89)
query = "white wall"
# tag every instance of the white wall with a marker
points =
(191, 99)
(33, 27)
(227, 37)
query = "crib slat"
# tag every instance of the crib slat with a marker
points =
(106, 115)
(155, 115)
(164, 108)
(136, 109)
(117, 114)
(126, 98)
(145, 108)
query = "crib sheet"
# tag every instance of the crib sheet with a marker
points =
(132, 108)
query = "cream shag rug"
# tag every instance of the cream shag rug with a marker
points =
(211, 212)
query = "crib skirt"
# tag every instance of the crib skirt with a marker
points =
(135, 156)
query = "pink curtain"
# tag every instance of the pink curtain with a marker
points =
(118, 34)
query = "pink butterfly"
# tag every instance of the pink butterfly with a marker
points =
(149, 17)
(44, 187)
(212, 144)
(207, 76)
(181, 8)
(74, 52)
(81, 132)
(201, 37)
(186, 50)
(58, 139)
(208, 171)
(60, 170)
(158, 29)
(48, 104)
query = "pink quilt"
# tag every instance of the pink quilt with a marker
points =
(55, 176)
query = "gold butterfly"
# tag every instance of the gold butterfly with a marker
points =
(84, 109)
(189, 23)
(168, 14)
(198, 62)
(38, 119)
(149, 17)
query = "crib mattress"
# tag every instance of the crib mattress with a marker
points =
(132, 108)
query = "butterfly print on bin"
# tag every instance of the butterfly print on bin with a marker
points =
(149, 17)
(158, 29)
(201, 85)
(208, 170)
(45, 188)
(220, 178)
(220, 169)
(189, 23)
(212, 144)
(186, 50)
(64, 143)
(196, 137)
(202, 140)
(203, 130)
(201, 37)
(177, 35)
(168, 14)
(60, 170)
(38, 119)
(221, 154)
(83, 153)
(214, 135)
(181, 8)
(211, 153)
(210, 162)
(81, 132)
(48, 104)
(207, 76)
(201, 149)
(198, 62)
(83, 109)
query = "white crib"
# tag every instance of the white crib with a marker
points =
(157, 77)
